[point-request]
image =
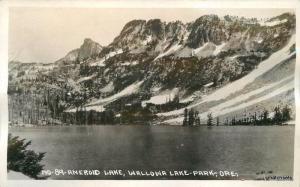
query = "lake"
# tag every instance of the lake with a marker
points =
(245, 150)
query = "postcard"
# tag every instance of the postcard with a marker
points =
(112, 93)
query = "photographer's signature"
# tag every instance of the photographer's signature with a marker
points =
(263, 175)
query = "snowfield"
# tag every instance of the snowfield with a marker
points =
(99, 105)
(171, 50)
(220, 110)
(160, 99)
(273, 23)
(108, 88)
(285, 88)
(240, 84)
(205, 50)
(219, 49)
(163, 97)
(133, 88)
(248, 95)
(101, 62)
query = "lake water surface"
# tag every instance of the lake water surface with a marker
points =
(246, 150)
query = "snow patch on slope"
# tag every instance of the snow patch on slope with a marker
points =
(99, 63)
(133, 88)
(86, 78)
(133, 63)
(147, 40)
(273, 23)
(262, 68)
(159, 99)
(162, 98)
(108, 88)
(222, 107)
(218, 111)
(219, 48)
(208, 49)
(240, 84)
(171, 50)
(208, 85)
(107, 56)
(205, 50)
(187, 99)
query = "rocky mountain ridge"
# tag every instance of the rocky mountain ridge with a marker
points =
(153, 59)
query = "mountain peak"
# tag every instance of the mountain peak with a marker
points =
(88, 41)
(88, 49)
(206, 19)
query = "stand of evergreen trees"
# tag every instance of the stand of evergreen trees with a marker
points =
(281, 115)
(191, 118)
(91, 117)
(37, 108)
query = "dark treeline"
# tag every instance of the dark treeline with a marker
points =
(41, 108)
(89, 117)
(49, 108)
(280, 116)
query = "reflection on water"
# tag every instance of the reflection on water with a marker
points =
(246, 150)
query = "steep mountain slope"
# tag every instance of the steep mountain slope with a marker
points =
(271, 84)
(205, 64)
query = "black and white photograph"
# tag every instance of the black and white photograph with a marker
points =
(151, 93)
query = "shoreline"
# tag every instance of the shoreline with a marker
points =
(93, 125)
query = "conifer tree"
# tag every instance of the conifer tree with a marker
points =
(209, 119)
(185, 119)
(20, 159)
(277, 115)
(265, 118)
(286, 113)
(197, 118)
(191, 118)
(233, 121)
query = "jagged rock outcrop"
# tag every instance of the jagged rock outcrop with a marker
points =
(89, 49)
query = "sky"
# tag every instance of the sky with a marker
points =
(47, 34)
